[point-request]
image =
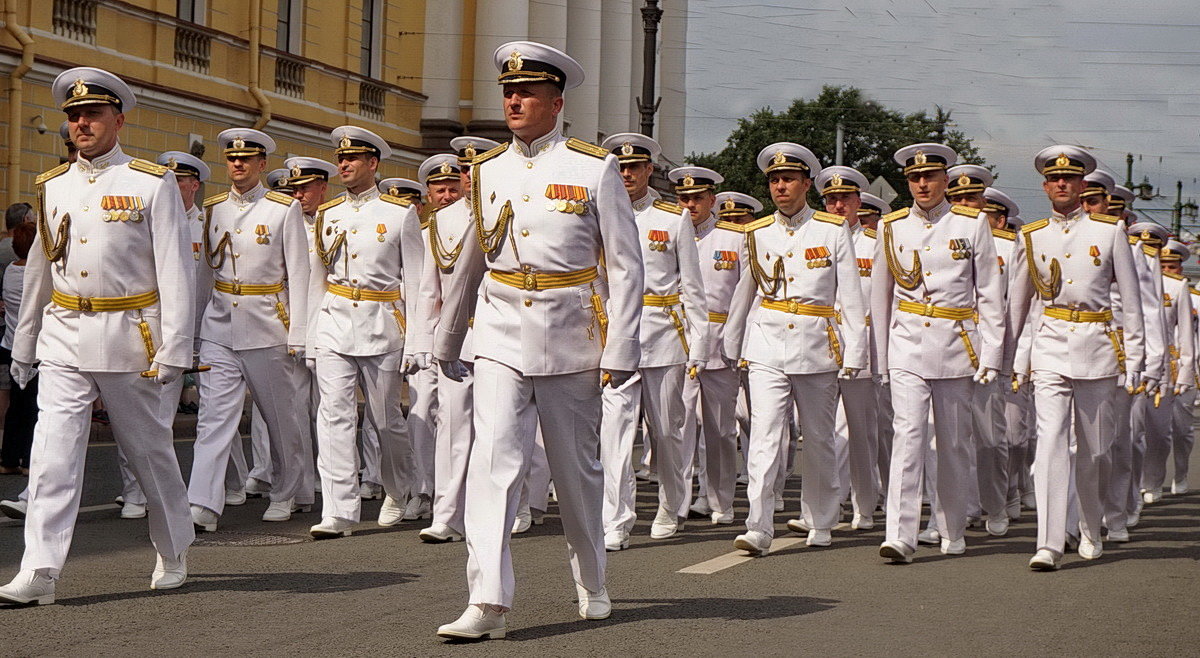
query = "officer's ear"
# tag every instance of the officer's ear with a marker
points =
(373, 163)
(119, 120)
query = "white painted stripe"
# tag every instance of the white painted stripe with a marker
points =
(735, 558)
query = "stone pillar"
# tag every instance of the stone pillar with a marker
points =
(669, 123)
(496, 21)
(583, 43)
(616, 90)
(440, 74)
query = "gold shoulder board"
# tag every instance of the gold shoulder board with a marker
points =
(329, 204)
(147, 167)
(898, 214)
(1177, 277)
(964, 211)
(869, 232)
(488, 155)
(399, 201)
(758, 223)
(731, 226)
(53, 173)
(1150, 251)
(1003, 234)
(1033, 226)
(829, 218)
(1193, 290)
(215, 199)
(280, 197)
(587, 148)
(667, 206)
(1133, 239)
(1107, 219)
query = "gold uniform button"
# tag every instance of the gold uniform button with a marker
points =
(1072, 328)
(353, 256)
(929, 226)
(789, 254)
(353, 280)
(83, 274)
(85, 209)
(354, 230)
(235, 303)
(791, 326)
(529, 302)
(929, 274)
(82, 240)
(927, 247)
(791, 278)
(1067, 255)
(524, 197)
(529, 165)
(355, 304)
(926, 324)
(525, 232)
(1070, 281)
(238, 231)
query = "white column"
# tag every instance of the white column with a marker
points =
(443, 61)
(672, 79)
(496, 21)
(617, 55)
(548, 23)
(583, 43)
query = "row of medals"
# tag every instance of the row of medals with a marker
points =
(563, 205)
(122, 216)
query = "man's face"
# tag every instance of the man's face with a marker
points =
(444, 192)
(968, 199)
(1063, 190)
(464, 180)
(93, 128)
(531, 108)
(699, 204)
(310, 195)
(870, 220)
(928, 188)
(1097, 203)
(244, 170)
(1172, 267)
(188, 186)
(996, 219)
(636, 177)
(357, 170)
(845, 204)
(789, 189)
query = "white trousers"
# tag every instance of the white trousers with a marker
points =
(1062, 405)
(1140, 424)
(655, 394)
(1118, 464)
(710, 408)
(1158, 442)
(884, 420)
(508, 406)
(858, 427)
(455, 434)
(135, 408)
(1182, 438)
(423, 418)
(913, 399)
(338, 375)
(992, 448)
(535, 490)
(774, 393)
(270, 374)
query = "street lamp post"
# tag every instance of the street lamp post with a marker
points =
(647, 104)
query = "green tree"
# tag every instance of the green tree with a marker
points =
(871, 134)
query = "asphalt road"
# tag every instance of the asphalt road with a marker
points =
(383, 592)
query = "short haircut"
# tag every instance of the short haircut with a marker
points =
(22, 239)
(16, 214)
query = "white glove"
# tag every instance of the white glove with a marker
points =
(22, 373)
(693, 368)
(297, 353)
(310, 363)
(848, 373)
(1180, 389)
(617, 378)
(884, 379)
(1021, 379)
(423, 360)
(455, 369)
(1133, 379)
(408, 366)
(984, 375)
(166, 374)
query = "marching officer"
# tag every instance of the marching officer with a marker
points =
(870, 209)
(278, 180)
(108, 299)
(367, 252)
(1147, 239)
(801, 274)
(737, 207)
(253, 328)
(543, 329)
(674, 292)
(938, 270)
(1066, 264)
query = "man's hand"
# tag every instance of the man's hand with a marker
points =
(456, 370)
(408, 366)
(22, 373)
(616, 378)
(166, 374)
(984, 375)
(848, 373)
(296, 352)
(310, 363)
(693, 368)
(884, 379)
(1180, 389)
(423, 360)
(1133, 381)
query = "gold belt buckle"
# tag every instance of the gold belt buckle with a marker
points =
(793, 307)
(85, 304)
(235, 288)
(927, 310)
(356, 294)
(1074, 315)
(530, 281)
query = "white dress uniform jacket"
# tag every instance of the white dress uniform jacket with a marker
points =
(721, 246)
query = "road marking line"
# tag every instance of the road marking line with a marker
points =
(89, 508)
(720, 563)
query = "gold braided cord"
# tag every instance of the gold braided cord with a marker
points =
(444, 259)
(327, 255)
(1118, 348)
(767, 283)
(222, 244)
(147, 339)
(966, 339)
(489, 239)
(909, 279)
(679, 329)
(53, 250)
(1045, 290)
(835, 345)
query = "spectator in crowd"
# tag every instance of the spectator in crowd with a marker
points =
(22, 411)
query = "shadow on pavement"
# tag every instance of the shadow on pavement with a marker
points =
(291, 582)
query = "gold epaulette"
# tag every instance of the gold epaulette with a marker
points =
(757, 224)
(1033, 226)
(280, 197)
(869, 232)
(399, 201)
(1003, 234)
(1150, 251)
(330, 203)
(1107, 219)
(829, 218)
(215, 199)
(898, 214)
(1133, 239)
(731, 226)
(147, 167)
(488, 155)
(53, 173)
(587, 148)
(1177, 277)
(668, 206)
(1193, 290)
(965, 211)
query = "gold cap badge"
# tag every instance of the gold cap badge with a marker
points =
(344, 142)
(1062, 160)
(295, 171)
(835, 181)
(171, 164)
(964, 180)
(515, 62)
(79, 89)
(920, 158)
(688, 181)
(394, 190)
(470, 150)
(445, 168)
(779, 158)
(238, 143)
(627, 149)
(729, 204)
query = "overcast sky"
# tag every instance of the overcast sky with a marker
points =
(1115, 77)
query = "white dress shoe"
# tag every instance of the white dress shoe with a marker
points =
(646, 475)
(204, 519)
(818, 538)
(665, 525)
(862, 522)
(439, 533)
(743, 479)
(616, 541)
(722, 518)
(1119, 536)
(280, 510)
(1149, 497)
(30, 586)
(593, 605)
(391, 512)
(1044, 560)
(1014, 509)
(896, 551)
(256, 488)
(799, 525)
(235, 498)
(1090, 550)
(14, 509)
(476, 622)
(997, 527)
(1179, 487)
(1134, 518)
(133, 511)
(700, 508)
(929, 536)
(526, 518)
(955, 547)
(169, 573)
(331, 527)
(1029, 501)
(120, 500)
(418, 507)
(754, 542)
(370, 491)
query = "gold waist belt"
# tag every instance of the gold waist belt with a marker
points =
(796, 308)
(248, 288)
(719, 318)
(545, 280)
(660, 300)
(359, 294)
(931, 311)
(1072, 315)
(102, 304)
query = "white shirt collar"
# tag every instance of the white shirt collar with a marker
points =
(705, 226)
(538, 146)
(114, 156)
(794, 221)
(357, 200)
(935, 213)
(253, 194)
(650, 197)
(1069, 217)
